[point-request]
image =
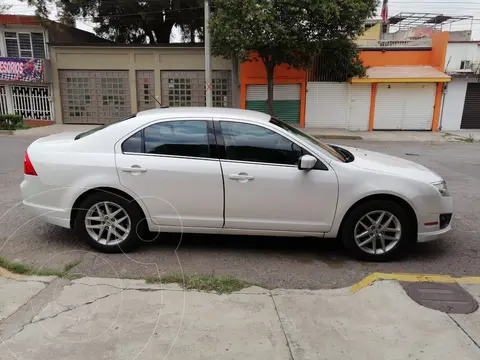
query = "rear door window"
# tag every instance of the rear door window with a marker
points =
(187, 138)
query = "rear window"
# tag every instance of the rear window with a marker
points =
(98, 128)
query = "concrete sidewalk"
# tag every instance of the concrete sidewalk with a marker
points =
(422, 136)
(93, 318)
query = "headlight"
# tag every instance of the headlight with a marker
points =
(442, 188)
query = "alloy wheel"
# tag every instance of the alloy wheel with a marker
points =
(107, 223)
(377, 232)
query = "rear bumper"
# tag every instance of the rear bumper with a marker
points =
(53, 216)
(42, 202)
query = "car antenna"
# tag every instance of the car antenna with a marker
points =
(158, 102)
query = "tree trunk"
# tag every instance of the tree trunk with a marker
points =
(270, 68)
(192, 33)
(163, 31)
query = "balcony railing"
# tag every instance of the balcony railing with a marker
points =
(471, 68)
(414, 43)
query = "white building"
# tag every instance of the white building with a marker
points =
(461, 99)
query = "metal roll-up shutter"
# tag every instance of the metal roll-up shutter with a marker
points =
(404, 106)
(389, 106)
(327, 105)
(471, 108)
(359, 108)
(419, 106)
(286, 100)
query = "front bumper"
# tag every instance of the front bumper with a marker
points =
(434, 235)
(429, 223)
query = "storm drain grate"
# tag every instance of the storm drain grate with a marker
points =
(449, 298)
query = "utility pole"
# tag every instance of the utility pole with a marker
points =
(208, 63)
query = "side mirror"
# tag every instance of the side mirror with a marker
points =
(306, 162)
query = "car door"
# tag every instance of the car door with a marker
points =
(264, 189)
(169, 165)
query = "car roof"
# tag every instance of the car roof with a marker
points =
(204, 111)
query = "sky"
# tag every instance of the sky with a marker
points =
(446, 7)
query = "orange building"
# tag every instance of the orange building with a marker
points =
(402, 89)
(288, 93)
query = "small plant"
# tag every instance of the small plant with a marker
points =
(219, 284)
(22, 269)
(11, 122)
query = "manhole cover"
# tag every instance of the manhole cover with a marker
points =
(449, 298)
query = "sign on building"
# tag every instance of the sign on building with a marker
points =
(20, 69)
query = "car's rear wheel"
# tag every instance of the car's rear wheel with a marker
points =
(109, 222)
(377, 230)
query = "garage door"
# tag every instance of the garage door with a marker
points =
(187, 88)
(286, 101)
(402, 106)
(327, 105)
(94, 97)
(359, 106)
(471, 108)
(338, 105)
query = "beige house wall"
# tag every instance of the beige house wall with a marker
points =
(127, 58)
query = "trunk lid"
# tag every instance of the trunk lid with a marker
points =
(63, 137)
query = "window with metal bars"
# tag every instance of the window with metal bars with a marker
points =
(25, 45)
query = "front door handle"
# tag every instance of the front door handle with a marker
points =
(134, 169)
(243, 177)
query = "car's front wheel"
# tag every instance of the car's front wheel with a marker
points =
(377, 230)
(109, 222)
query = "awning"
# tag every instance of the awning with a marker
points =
(411, 74)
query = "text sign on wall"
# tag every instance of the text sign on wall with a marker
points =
(19, 69)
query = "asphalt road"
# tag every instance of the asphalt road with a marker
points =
(277, 262)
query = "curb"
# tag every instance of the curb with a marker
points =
(344, 137)
(370, 279)
(6, 132)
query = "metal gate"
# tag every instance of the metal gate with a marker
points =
(471, 108)
(3, 101)
(187, 88)
(32, 102)
(94, 97)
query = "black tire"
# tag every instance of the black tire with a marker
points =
(132, 242)
(407, 237)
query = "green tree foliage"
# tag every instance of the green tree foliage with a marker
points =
(131, 21)
(290, 32)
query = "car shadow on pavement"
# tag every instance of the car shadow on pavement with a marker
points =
(330, 251)
(287, 246)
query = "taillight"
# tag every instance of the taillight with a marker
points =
(28, 167)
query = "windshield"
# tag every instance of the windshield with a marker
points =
(94, 130)
(320, 146)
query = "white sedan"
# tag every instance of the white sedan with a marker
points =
(228, 171)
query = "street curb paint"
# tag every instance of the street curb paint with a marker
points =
(9, 275)
(370, 279)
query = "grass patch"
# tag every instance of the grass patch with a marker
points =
(219, 284)
(71, 265)
(22, 269)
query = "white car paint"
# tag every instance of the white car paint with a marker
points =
(183, 194)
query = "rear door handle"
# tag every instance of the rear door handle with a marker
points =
(241, 176)
(134, 169)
